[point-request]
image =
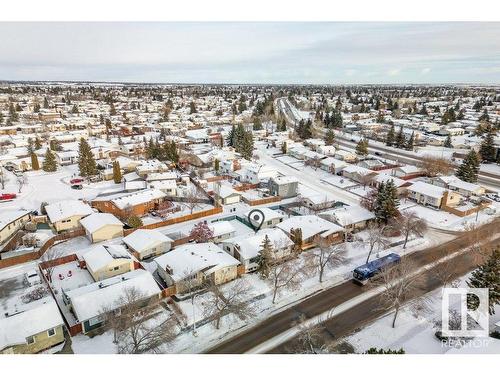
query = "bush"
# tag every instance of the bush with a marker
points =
(134, 222)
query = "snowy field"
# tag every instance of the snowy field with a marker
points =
(415, 329)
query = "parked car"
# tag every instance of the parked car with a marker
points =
(75, 181)
(32, 277)
(7, 196)
(18, 173)
(77, 186)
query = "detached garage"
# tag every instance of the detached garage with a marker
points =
(102, 227)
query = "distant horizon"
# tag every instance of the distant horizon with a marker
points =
(10, 81)
(299, 53)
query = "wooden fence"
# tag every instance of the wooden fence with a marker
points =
(37, 254)
(176, 220)
(257, 202)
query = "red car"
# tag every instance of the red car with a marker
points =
(76, 181)
(7, 196)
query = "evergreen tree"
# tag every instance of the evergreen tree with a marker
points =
(411, 142)
(30, 147)
(469, 169)
(447, 142)
(400, 138)
(216, 165)
(13, 116)
(112, 110)
(117, 173)
(49, 163)
(487, 276)
(389, 141)
(192, 108)
(387, 202)
(38, 143)
(230, 136)
(257, 124)
(487, 149)
(284, 148)
(362, 147)
(265, 257)
(34, 162)
(246, 148)
(281, 125)
(86, 161)
(329, 137)
(1, 118)
(75, 109)
(45, 103)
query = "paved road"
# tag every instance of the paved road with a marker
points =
(332, 297)
(486, 178)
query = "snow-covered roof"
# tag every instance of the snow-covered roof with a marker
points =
(282, 180)
(464, 185)
(268, 213)
(226, 191)
(98, 220)
(427, 189)
(65, 209)
(220, 228)
(249, 245)
(408, 169)
(142, 239)
(41, 316)
(136, 198)
(161, 176)
(89, 301)
(348, 215)
(192, 258)
(8, 217)
(384, 177)
(100, 256)
(310, 225)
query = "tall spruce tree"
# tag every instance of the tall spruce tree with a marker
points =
(329, 137)
(387, 202)
(400, 138)
(447, 142)
(117, 173)
(411, 142)
(487, 149)
(362, 147)
(487, 276)
(86, 162)
(469, 169)
(35, 165)
(390, 138)
(49, 163)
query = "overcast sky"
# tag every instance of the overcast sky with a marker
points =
(252, 52)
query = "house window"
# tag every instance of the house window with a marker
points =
(116, 268)
(30, 340)
(51, 332)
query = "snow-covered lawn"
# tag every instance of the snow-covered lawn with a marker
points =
(415, 329)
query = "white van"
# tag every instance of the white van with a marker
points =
(32, 277)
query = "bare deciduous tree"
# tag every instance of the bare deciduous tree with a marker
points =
(409, 224)
(21, 181)
(137, 323)
(49, 256)
(3, 178)
(232, 300)
(193, 197)
(375, 238)
(325, 256)
(398, 283)
(286, 275)
(434, 166)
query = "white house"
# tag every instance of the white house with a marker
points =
(66, 215)
(145, 243)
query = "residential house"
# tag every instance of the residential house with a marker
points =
(37, 327)
(351, 218)
(190, 265)
(314, 229)
(146, 243)
(283, 186)
(88, 302)
(246, 248)
(270, 220)
(11, 222)
(66, 215)
(105, 261)
(101, 227)
(431, 195)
